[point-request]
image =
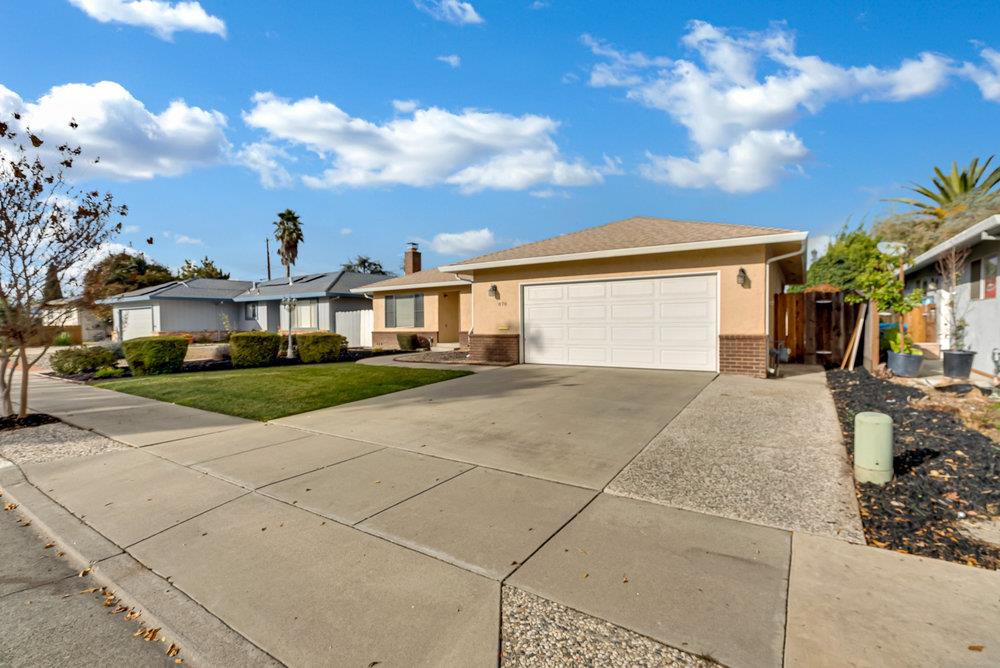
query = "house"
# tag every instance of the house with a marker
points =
(641, 292)
(69, 315)
(211, 307)
(977, 300)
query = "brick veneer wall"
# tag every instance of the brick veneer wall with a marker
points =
(463, 340)
(743, 354)
(388, 341)
(499, 348)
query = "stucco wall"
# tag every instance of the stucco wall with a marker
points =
(431, 296)
(742, 307)
(194, 316)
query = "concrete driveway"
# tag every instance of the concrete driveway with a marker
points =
(575, 425)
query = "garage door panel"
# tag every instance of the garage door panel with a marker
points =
(586, 291)
(136, 322)
(593, 333)
(632, 311)
(667, 322)
(587, 312)
(625, 289)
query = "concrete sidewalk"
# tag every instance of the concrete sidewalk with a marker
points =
(317, 547)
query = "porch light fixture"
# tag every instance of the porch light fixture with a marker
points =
(741, 277)
(493, 292)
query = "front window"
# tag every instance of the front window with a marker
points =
(404, 311)
(990, 277)
(250, 311)
(304, 315)
(975, 275)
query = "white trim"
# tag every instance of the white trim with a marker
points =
(626, 252)
(409, 286)
(971, 236)
(718, 306)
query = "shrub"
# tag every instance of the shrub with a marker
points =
(151, 355)
(114, 347)
(408, 341)
(81, 359)
(62, 339)
(320, 347)
(248, 349)
(109, 372)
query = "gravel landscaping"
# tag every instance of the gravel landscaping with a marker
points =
(49, 442)
(946, 474)
(539, 632)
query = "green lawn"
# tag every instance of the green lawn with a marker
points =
(274, 392)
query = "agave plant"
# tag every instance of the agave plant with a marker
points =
(950, 188)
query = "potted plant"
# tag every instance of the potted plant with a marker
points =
(904, 359)
(957, 359)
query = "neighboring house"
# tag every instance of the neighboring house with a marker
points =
(212, 307)
(641, 292)
(68, 314)
(977, 299)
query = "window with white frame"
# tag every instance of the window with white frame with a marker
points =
(250, 311)
(304, 316)
(404, 311)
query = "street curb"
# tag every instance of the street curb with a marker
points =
(204, 639)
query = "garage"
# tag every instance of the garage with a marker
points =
(668, 322)
(136, 322)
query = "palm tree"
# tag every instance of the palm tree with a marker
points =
(949, 189)
(288, 233)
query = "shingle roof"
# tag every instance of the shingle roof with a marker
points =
(213, 289)
(329, 284)
(637, 232)
(425, 278)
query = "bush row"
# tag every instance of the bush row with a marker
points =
(252, 349)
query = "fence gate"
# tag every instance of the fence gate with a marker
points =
(356, 327)
(815, 326)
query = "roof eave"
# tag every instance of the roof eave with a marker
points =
(627, 252)
(970, 237)
(409, 286)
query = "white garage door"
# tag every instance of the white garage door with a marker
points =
(654, 323)
(136, 322)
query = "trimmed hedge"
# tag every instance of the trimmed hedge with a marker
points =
(152, 355)
(317, 347)
(408, 341)
(81, 359)
(249, 349)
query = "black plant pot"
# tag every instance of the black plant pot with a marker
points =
(958, 363)
(904, 364)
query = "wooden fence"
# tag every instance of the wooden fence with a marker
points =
(48, 333)
(816, 327)
(921, 324)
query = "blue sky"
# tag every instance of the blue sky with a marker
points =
(477, 125)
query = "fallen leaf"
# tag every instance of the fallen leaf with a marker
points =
(85, 571)
(88, 590)
(173, 650)
(976, 648)
(9, 506)
(48, 545)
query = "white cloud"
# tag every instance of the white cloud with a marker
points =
(185, 240)
(163, 18)
(754, 162)
(986, 77)
(346, 231)
(130, 141)
(463, 243)
(266, 159)
(131, 229)
(405, 106)
(452, 60)
(539, 4)
(737, 118)
(473, 149)
(450, 11)
(549, 193)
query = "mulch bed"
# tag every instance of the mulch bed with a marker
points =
(13, 422)
(944, 473)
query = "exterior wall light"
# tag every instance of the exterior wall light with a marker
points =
(741, 277)
(493, 292)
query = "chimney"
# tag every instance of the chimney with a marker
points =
(411, 259)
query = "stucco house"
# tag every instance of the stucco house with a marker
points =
(212, 307)
(69, 314)
(641, 292)
(977, 300)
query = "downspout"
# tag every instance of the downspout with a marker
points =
(767, 294)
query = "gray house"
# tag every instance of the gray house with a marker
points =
(211, 307)
(977, 300)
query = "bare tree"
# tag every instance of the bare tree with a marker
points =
(47, 225)
(951, 267)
